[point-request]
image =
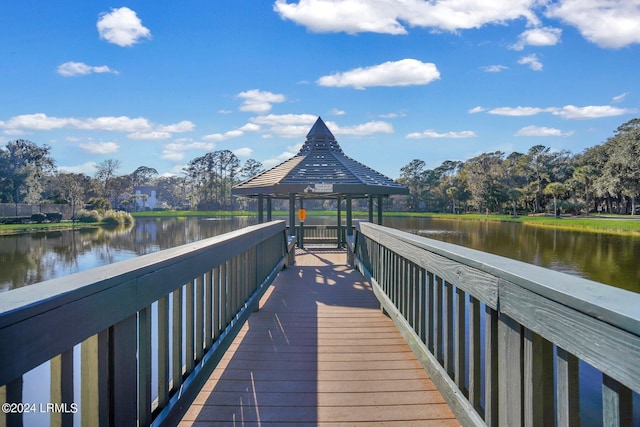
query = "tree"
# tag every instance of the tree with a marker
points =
(623, 164)
(251, 168)
(106, 171)
(412, 176)
(22, 165)
(555, 189)
(143, 175)
(73, 188)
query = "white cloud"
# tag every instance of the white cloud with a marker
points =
(87, 168)
(151, 135)
(589, 112)
(243, 152)
(362, 129)
(72, 69)
(393, 115)
(542, 131)
(223, 136)
(122, 27)
(137, 128)
(476, 110)
(566, 112)
(175, 151)
(285, 125)
(516, 111)
(269, 163)
(390, 16)
(100, 147)
(607, 23)
(183, 126)
(336, 112)
(493, 68)
(406, 72)
(258, 101)
(544, 36)
(619, 98)
(430, 133)
(532, 61)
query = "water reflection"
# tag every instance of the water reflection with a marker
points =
(31, 258)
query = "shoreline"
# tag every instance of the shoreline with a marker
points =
(614, 224)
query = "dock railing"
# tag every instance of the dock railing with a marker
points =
(502, 339)
(162, 320)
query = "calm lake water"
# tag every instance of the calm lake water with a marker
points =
(31, 258)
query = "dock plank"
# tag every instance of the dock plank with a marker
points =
(319, 352)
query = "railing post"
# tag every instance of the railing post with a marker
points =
(94, 373)
(123, 373)
(510, 408)
(62, 388)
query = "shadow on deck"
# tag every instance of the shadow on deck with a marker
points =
(319, 352)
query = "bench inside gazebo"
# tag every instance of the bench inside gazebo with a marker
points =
(320, 170)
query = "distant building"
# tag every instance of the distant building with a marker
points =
(149, 202)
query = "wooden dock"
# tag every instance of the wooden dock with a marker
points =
(319, 352)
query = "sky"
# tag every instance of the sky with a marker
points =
(158, 84)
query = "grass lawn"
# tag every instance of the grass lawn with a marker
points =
(51, 226)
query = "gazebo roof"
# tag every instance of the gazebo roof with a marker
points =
(320, 170)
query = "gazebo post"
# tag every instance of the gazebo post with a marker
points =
(269, 208)
(349, 218)
(260, 209)
(292, 214)
(380, 210)
(340, 241)
(370, 208)
(301, 217)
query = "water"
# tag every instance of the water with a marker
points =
(31, 258)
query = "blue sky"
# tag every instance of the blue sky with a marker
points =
(160, 83)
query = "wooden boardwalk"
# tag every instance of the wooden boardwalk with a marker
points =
(319, 352)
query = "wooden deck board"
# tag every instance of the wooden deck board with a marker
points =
(319, 352)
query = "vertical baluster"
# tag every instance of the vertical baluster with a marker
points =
(62, 387)
(491, 366)
(474, 353)
(437, 310)
(509, 372)
(538, 380)
(460, 346)
(94, 377)
(163, 351)
(421, 305)
(617, 403)
(448, 329)
(144, 366)
(208, 321)
(217, 307)
(568, 390)
(199, 328)
(430, 313)
(176, 341)
(189, 318)
(123, 372)
(13, 394)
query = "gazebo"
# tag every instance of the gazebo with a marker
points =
(320, 170)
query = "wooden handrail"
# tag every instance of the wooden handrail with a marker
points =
(532, 319)
(205, 290)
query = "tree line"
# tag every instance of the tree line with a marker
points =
(28, 175)
(605, 178)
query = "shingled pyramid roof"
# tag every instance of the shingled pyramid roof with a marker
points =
(320, 170)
